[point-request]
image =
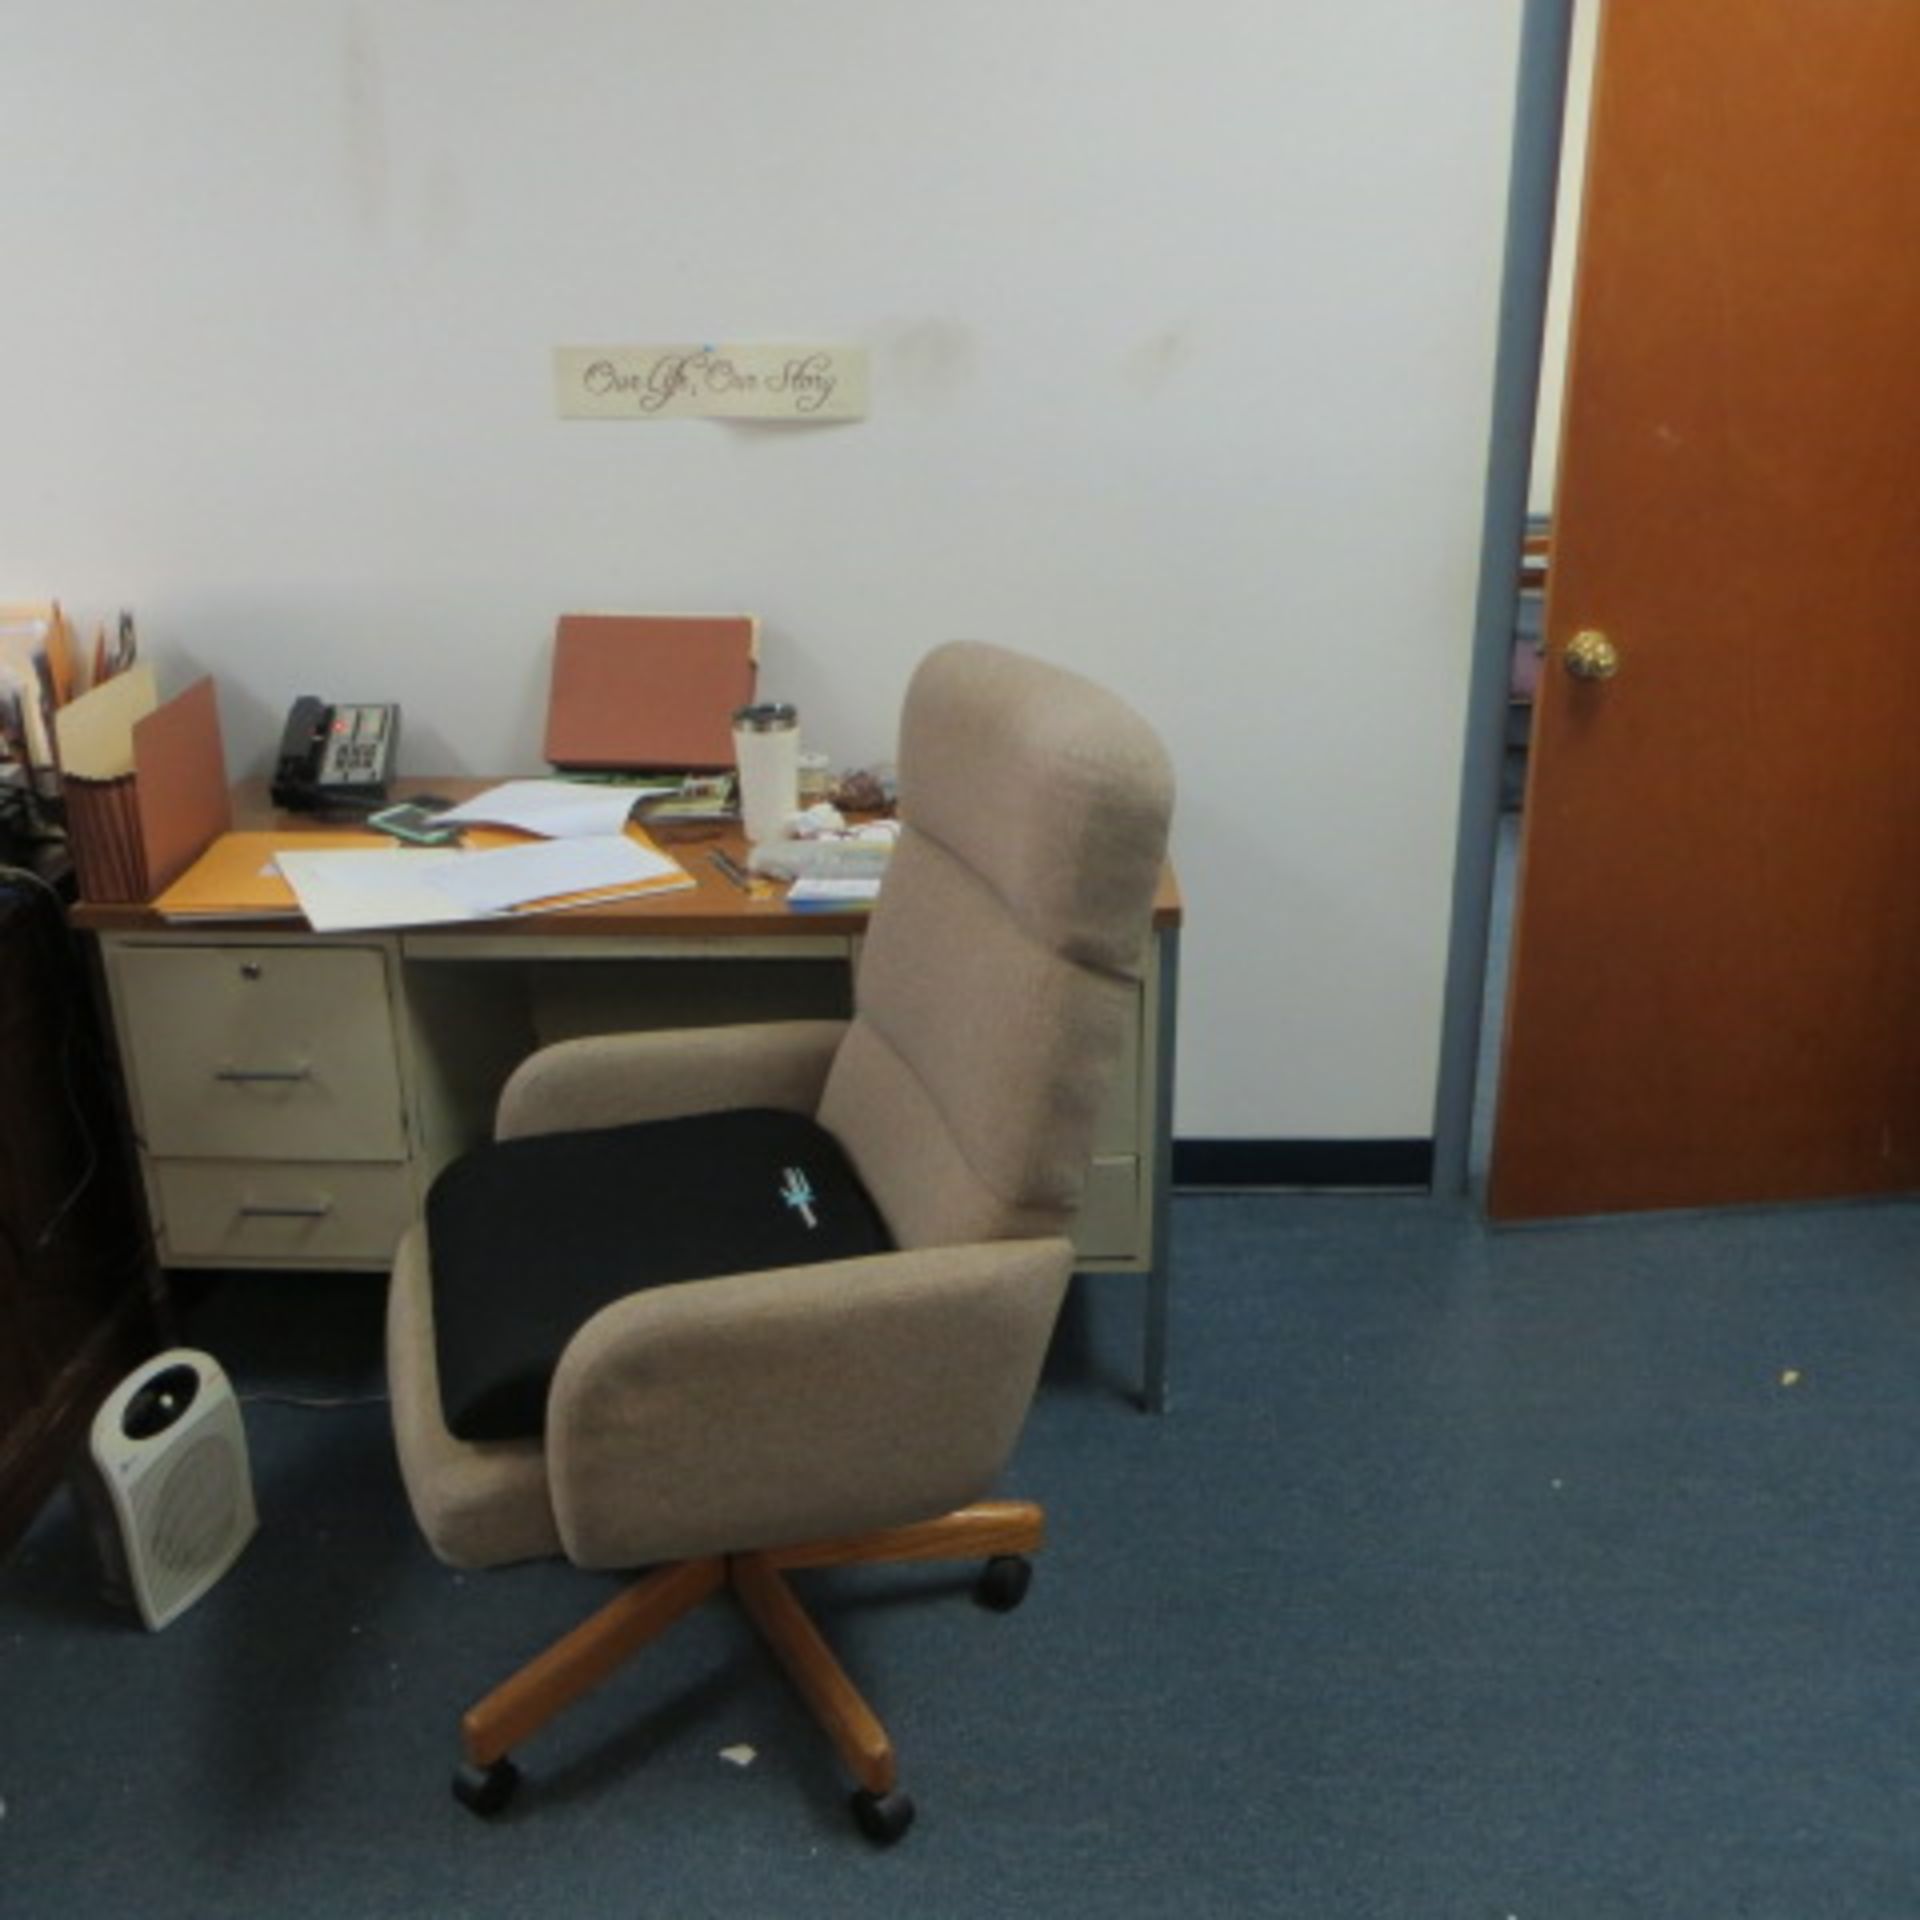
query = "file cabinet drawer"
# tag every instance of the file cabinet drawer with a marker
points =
(258, 1212)
(262, 1052)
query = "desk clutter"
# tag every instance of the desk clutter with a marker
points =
(89, 753)
(653, 735)
(526, 846)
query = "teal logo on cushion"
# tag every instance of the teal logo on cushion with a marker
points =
(797, 1191)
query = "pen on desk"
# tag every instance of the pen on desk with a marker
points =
(732, 868)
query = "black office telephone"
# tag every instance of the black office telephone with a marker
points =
(335, 757)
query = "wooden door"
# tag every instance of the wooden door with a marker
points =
(1715, 991)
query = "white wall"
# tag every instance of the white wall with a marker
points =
(1566, 237)
(1182, 323)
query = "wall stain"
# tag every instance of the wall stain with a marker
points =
(368, 160)
(1157, 361)
(443, 208)
(930, 360)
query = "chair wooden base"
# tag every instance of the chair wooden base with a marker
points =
(572, 1667)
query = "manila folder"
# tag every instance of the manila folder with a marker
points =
(639, 690)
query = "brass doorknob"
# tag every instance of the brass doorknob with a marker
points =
(1592, 656)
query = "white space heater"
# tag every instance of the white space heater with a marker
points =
(170, 1456)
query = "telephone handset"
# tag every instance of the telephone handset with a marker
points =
(335, 756)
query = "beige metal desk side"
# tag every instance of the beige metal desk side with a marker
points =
(293, 1094)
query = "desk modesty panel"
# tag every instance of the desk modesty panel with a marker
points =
(294, 1094)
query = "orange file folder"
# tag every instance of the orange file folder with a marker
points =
(649, 690)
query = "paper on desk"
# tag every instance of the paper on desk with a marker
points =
(554, 809)
(343, 892)
(512, 878)
(349, 891)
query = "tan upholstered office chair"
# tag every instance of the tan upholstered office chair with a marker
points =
(724, 1430)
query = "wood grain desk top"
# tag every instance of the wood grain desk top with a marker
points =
(713, 906)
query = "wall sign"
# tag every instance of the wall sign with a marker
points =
(715, 383)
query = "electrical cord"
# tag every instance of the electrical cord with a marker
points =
(313, 1402)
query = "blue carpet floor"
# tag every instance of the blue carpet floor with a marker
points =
(1559, 1574)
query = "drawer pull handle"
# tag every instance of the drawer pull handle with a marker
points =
(317, 1210)
(243, 1076)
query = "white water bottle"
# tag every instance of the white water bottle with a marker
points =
(766, 749)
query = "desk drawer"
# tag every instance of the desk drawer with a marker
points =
(268, 1052)
(255, 1211)
(1117, 1129)
(1108, 1226)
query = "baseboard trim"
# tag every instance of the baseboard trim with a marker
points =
(1395, 1164)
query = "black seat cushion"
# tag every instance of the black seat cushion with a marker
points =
(530, 1238)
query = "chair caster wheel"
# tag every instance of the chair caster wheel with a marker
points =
(485, 1790)
(882, 1817)
(1003, 1582)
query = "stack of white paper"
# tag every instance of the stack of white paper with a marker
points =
(557, 809)
(352, 890)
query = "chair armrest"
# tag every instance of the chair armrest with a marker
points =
(802, 1403)
(610, 1080)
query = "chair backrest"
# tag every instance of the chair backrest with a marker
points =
(1005, 950)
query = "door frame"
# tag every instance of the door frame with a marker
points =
(1546, 38)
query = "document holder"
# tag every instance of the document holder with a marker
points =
(145, 784)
